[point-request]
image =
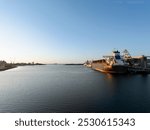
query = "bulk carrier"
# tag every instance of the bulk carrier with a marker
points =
(119, 64)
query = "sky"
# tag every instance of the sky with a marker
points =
(72, 31)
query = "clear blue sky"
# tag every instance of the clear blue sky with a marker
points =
(65, 31)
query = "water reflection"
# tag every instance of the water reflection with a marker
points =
(58, 88)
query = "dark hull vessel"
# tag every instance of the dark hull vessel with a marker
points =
(110, 64)
(104, 67)
(120, 64)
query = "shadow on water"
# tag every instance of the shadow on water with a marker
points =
(128, 93)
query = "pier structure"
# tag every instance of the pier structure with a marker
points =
(139, 64)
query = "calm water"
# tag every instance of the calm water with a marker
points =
(60, 88)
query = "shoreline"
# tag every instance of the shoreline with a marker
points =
(7, 68)
(12, 66)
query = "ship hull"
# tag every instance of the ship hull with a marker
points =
(115, 69)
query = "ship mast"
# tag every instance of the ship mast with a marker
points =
(126, 54)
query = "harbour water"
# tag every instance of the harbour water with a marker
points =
(72, 88)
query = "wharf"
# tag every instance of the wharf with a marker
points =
(139, 70)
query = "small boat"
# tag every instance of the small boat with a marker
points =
(88, 64)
